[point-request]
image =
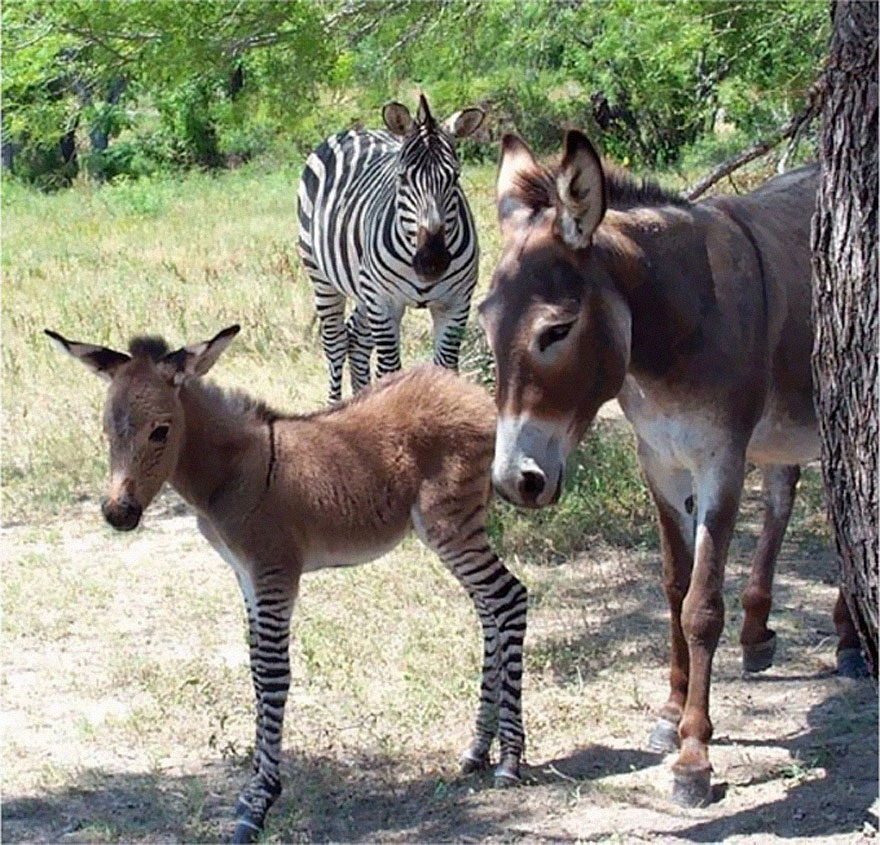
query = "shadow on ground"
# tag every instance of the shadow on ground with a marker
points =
(323, 800)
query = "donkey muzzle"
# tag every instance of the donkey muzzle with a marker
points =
(123, 515)
(432, 258)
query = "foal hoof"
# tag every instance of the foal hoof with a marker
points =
(246, 830)
(851, 664)
(471, 763)
(758, 657)
(692, 789)
(507, 773)
(664, 737)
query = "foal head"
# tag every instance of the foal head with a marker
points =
(558, 328)
(427, 175)
(143, 414)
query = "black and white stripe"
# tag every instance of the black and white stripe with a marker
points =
(383, 221)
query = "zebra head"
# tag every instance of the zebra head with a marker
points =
(427, 180)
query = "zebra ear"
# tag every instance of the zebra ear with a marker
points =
(397, 118)
(463, 123)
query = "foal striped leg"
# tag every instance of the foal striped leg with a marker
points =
(500, 600)
(270, 672)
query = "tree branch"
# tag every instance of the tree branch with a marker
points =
(790, 129)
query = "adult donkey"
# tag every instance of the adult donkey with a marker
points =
(697, 317)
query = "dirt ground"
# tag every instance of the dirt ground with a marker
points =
(90, 755)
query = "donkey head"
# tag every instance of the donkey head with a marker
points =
(143, 414)
(427, 175)
(558, 328)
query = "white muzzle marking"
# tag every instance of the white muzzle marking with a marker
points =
(529, 460)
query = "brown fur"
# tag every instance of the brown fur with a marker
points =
(697, 316)
(278, 495)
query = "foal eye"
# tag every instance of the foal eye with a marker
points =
(159, 434)
(553, 334)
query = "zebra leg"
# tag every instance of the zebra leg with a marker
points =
(449, 321)
(500, 599)
(360, 347)
(330, 305)
(385, 319)
(270, 671)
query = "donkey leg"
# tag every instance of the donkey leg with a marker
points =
(360, 347)
(270, 671)
(757, 640)
(673, 497)
(850, 662)
(455, 528)
(330, 305)
(702, 619)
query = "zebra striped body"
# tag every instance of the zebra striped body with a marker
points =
(384, 222)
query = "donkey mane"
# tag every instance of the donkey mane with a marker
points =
(537, 188)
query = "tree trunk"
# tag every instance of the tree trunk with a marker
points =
(845, 301)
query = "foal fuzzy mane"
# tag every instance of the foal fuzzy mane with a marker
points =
(148, 346)
(536, 187)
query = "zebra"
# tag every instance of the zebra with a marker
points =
(383, 221)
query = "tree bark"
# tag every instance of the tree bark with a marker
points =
(845, 302)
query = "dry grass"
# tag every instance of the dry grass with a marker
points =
(126, 696)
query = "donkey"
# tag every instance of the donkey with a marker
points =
(279, 495)
(697, 318)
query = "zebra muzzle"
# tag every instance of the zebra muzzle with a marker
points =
(432, 258)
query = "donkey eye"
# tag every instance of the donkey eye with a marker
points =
(553, 334)
(159, 434)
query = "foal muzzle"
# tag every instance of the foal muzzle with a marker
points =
(432, 258)
(123, 514)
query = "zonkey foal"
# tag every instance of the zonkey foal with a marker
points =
(280, 495)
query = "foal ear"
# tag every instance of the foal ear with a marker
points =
(397, 118)
(515, 202)
(196, 360)
(105, 362)
(463, 123)
(581, 189)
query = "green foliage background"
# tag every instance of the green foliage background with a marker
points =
(129, 87)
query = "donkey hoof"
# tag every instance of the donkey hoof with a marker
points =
(471, 763)
(851, 664)
(758, 657)
(693, 789)
(507, 772)
(246, 830)
(664, 737)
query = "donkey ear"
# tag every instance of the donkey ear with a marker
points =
(516, 163)
(196, 360)
(581, 189)
(105, 362)
(397, 118)
(463, 123)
